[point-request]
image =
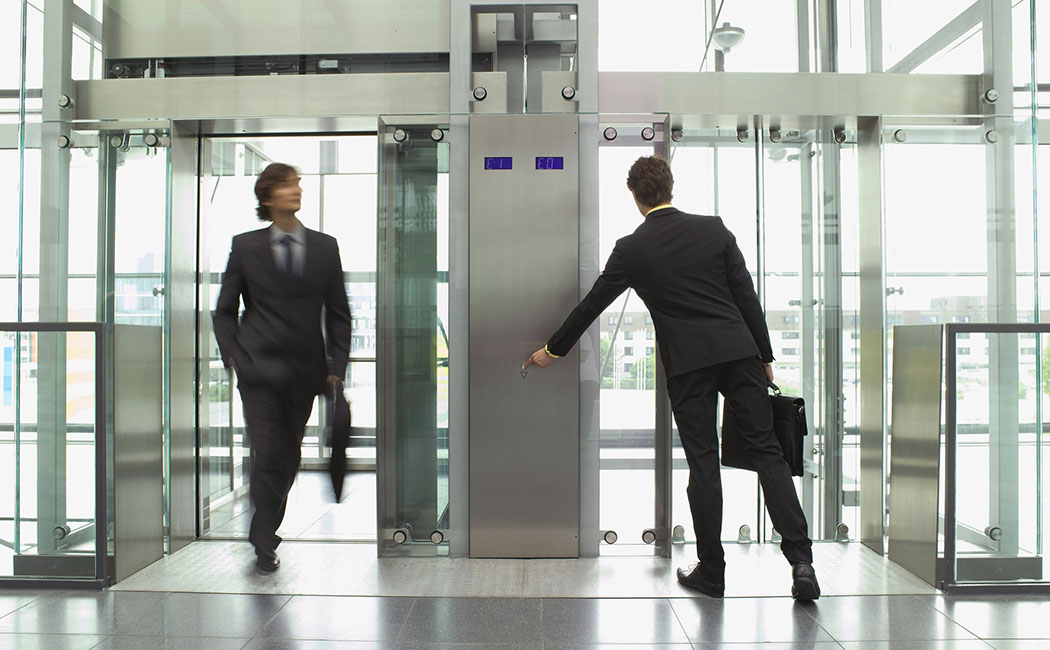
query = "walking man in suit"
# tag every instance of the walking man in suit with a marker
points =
(713, 339)
(285, 274)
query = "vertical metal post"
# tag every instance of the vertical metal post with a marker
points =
(663, 445)
(181, 317)
(831, 174)
(23, 29)
(54, 276)
(872, 336)
(458, 276)
(590, 267)
(873, 34)
(809, 333)
(802, 29)
(1004, 435)
(102, 512)
(950, 455)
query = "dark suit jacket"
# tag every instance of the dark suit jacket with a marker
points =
(691, 275)
(278, 341)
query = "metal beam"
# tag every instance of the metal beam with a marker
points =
(725, 98)
(732, 94)
(202, 98)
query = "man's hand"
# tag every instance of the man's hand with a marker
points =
(335, 380)
(769, 372)
(539, 358)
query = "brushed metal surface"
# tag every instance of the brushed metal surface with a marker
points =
(259, 97)
(180, 312)
(916, 447)
(160, 28)
(788, 94)
(524, 432)
(872, 337)
(138, 520)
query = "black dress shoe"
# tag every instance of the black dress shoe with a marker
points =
(804, 582)
(694, 580)
(268, 564)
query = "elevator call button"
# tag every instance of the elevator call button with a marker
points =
(550, 162)
(499, 163)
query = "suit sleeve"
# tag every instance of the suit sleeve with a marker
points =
(227, 310)
(337, 319)
(610, 284)
(746, 299)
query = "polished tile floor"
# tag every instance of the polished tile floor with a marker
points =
(331, 596)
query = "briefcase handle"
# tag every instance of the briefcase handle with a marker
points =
(774, 387)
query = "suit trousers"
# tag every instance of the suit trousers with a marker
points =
(694, 401)
(276, 422)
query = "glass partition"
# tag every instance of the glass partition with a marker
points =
(50, 451)
(993, 512)
(627, 412)
(411, 336)
(716, 174)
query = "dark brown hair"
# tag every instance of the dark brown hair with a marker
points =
(651, 181)
(272, 175)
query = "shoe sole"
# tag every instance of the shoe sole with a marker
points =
(805, 590)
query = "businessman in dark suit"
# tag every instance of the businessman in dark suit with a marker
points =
(712, 337)
(286, 274)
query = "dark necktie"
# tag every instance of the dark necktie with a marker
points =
(287, 242)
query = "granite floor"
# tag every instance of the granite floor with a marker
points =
(339, 596)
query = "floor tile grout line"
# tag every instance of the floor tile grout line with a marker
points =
(681, 625)
(269, 620)
(945, 615)
(404, 623)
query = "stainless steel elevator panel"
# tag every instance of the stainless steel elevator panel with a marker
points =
(916, 453)
(524, 243)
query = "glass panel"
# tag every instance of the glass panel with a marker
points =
(627, 396)
(852, 50)
(412, 345)
(140, 234)
(770, 43)
(11, 46)
(905, 25)
(715, 174)
(770, 36)
(998, 491)
(47, 502)
(678, 49)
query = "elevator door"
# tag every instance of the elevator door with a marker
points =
(339, 198)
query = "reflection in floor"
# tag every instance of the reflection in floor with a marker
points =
(339, 596)
(312, 512)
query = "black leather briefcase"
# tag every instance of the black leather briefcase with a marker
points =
(789, 425)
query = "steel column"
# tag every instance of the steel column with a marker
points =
(54, 274)
(872, 336)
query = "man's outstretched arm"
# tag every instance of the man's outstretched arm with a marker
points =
(610, 284)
